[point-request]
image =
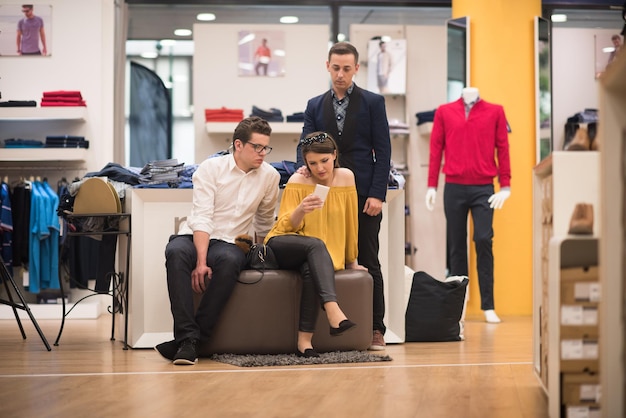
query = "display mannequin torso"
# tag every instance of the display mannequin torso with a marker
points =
(470, 94)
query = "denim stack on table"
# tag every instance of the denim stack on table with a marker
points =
(271, 115)
(161, 172)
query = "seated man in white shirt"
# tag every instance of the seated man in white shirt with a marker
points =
(231, 193)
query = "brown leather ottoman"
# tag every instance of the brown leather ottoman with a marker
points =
(355, 289)
(261, 316)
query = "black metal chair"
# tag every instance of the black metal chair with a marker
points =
(8, 279)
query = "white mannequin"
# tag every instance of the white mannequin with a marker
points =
(496, 201)
(469, 94)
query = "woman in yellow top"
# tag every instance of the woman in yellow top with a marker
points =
(318, 237)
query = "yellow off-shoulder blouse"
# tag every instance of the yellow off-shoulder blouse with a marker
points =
(336, 223)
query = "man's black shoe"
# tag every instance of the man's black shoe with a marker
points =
(167, 349)
(187, 353)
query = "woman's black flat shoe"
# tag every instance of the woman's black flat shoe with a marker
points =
(344, 326)
(309, 352)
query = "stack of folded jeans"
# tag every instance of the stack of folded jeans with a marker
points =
(296, 117)
(22, 143)
(161, 172)
(19, 103)
(66, 141)
(271, 115)
(427, 116)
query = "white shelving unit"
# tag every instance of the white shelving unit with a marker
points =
(560, 181)
(284, 139)
(564, 252)
(277, 127)
(612, 268)
(33, 121)
(25, 114)
(392, 265)
(53, 163)
(57, 155)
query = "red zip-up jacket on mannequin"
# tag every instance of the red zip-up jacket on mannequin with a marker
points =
(470, 144)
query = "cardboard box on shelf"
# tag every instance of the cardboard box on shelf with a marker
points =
(579, 315)
(583, 292)
(582, 411)
(581, 389)
(585, 274)
(579, 355)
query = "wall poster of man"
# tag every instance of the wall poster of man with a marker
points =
(386, 66)
(607, 47)
(261, 53)
(25, 29)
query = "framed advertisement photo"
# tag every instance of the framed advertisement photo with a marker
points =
(386, 63)
(261, 53)
(25, 30)
(606, 49)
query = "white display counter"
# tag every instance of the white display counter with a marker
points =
(155, 213)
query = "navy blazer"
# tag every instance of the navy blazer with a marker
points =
(364, 146)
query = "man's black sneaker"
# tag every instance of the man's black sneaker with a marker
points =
(187, 353)
(167, 349)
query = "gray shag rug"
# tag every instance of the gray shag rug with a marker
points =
(261, 360)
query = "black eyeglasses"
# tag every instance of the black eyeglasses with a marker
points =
(317, 138)
(258, 148)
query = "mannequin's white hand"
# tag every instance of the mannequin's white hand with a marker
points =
(431, 196)
(496, 200)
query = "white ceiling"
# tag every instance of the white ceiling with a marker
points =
(159, 21)
(156, 22)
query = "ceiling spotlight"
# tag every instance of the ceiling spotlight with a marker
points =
(168, 42)
(205, 17)
(149, 54)
(289, 19)
(559, 18)
(341, 37)
(182, 32)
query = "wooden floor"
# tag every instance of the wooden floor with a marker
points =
(87, 375)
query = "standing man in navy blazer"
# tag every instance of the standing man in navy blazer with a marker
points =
(357, 119)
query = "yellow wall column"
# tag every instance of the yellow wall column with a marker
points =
(502, 68)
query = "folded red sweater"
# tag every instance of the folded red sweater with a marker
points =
(62, 99)
(223, 115)
(46, 103)
(65, 93)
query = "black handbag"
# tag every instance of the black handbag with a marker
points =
(261, 258)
